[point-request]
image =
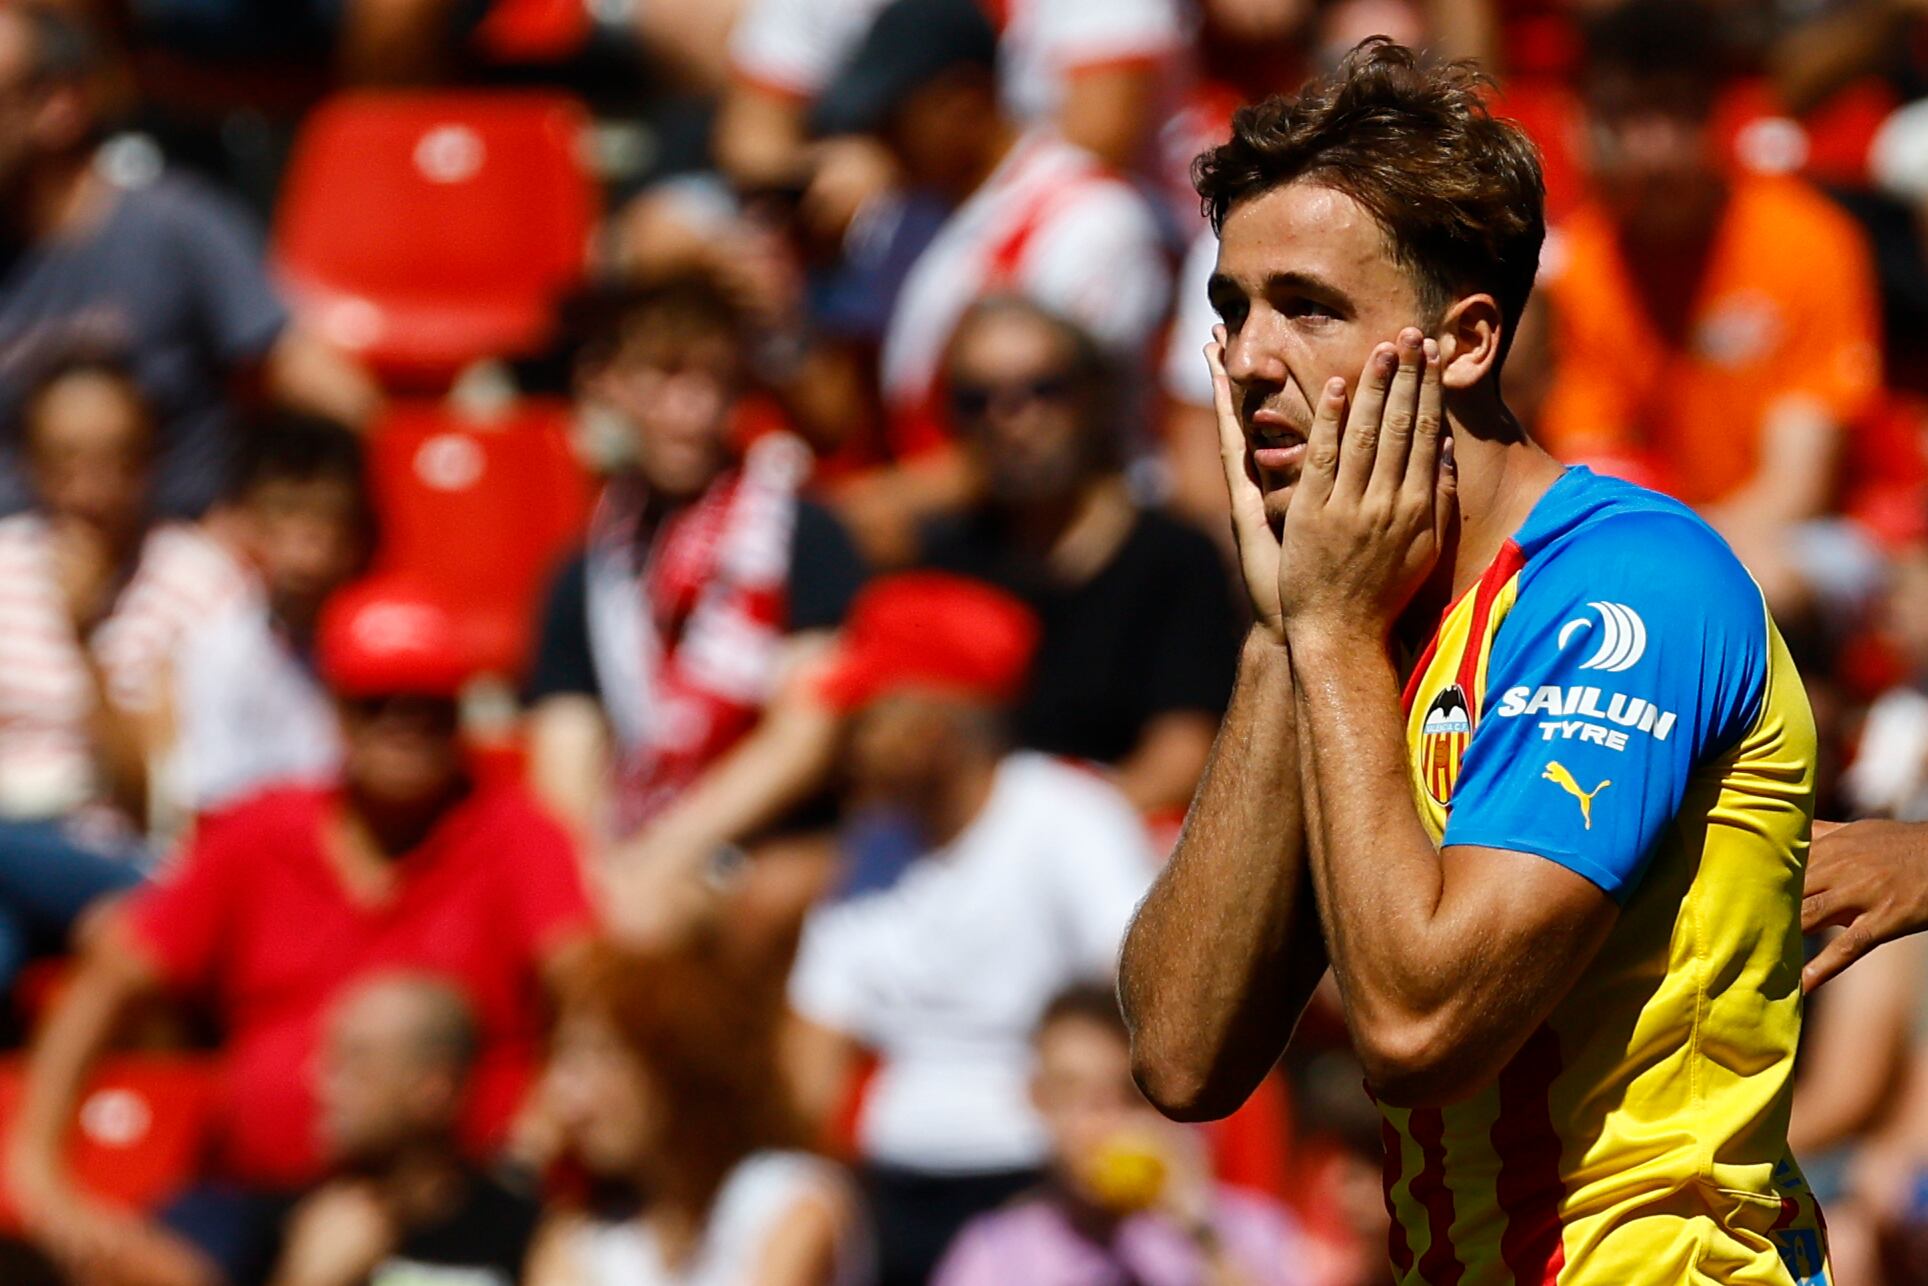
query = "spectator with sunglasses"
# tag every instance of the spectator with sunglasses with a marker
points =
(1135, 659)
(279, 905)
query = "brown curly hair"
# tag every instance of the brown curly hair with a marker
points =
(707, 1039)
(1457, 191)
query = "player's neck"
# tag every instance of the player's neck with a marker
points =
(1502, 475)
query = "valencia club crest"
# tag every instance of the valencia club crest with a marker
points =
(1442, 741)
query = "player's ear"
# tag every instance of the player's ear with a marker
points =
(1469, 341)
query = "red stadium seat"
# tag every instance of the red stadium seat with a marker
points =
(426, 230)
(139, 1133)
(481, 512)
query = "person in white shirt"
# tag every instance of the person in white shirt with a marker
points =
(94, 600)
(980, 884)
(1097, 72)
(247, 707)
(1031, 215)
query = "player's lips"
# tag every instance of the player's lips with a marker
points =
(1277, 443)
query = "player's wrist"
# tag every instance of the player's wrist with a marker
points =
(1265, 639)
(1323, 630)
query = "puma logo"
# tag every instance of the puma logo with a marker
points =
(1557, 774)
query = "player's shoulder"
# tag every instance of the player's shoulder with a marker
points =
(1592, 534)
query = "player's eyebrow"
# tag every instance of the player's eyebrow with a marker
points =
(1288, 282)
(1300, 282)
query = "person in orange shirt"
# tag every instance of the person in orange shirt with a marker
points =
(1717, 328)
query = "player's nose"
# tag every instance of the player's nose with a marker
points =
(1251, 359)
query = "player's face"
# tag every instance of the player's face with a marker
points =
(1306, 286)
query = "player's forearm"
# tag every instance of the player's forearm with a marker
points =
(1224, 951)
(1376, 871)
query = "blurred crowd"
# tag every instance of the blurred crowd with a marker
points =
(607, 605)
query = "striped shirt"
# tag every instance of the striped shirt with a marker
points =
(1614, 698)
(46, 695)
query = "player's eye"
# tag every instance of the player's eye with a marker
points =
(1302, 307)
(1231, 312)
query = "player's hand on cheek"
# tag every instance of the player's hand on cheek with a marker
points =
(1258, 548)
(1374, 498)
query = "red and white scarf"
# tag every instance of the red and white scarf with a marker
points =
(685, 634)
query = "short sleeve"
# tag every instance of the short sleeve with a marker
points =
(563, 664)
(790, 46)
(242, 313)
(826, 571)
(1636, 651)
(182, 921)
(547, 896)
(827, 981)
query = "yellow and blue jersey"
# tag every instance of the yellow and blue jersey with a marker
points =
(1613, 696)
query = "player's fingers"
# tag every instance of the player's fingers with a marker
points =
(1841, 951)
(1824, 829)
(1400, 417)
(1445, 492)
(1423, 464)
(1317, 476)
(1248, 505)
(1359, 444)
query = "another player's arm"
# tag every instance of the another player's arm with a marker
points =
(1871, 879)
(1446, 962)
(1225, 950)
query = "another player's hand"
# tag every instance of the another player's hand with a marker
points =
(1258, 548)
(1369, 515)
(1870, 878)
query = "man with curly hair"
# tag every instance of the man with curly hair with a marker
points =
(1516, 750)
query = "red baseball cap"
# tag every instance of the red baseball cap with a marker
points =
(935, 631)
(386, 637)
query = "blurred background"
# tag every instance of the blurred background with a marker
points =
(606, 605)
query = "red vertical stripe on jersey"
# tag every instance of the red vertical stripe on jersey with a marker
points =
(1529, 1188)
(1505, 565)
(1400, 1247)
(1439, 1266)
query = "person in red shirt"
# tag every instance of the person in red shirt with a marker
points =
(273, 910)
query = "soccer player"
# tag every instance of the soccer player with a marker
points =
(1515, 750)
